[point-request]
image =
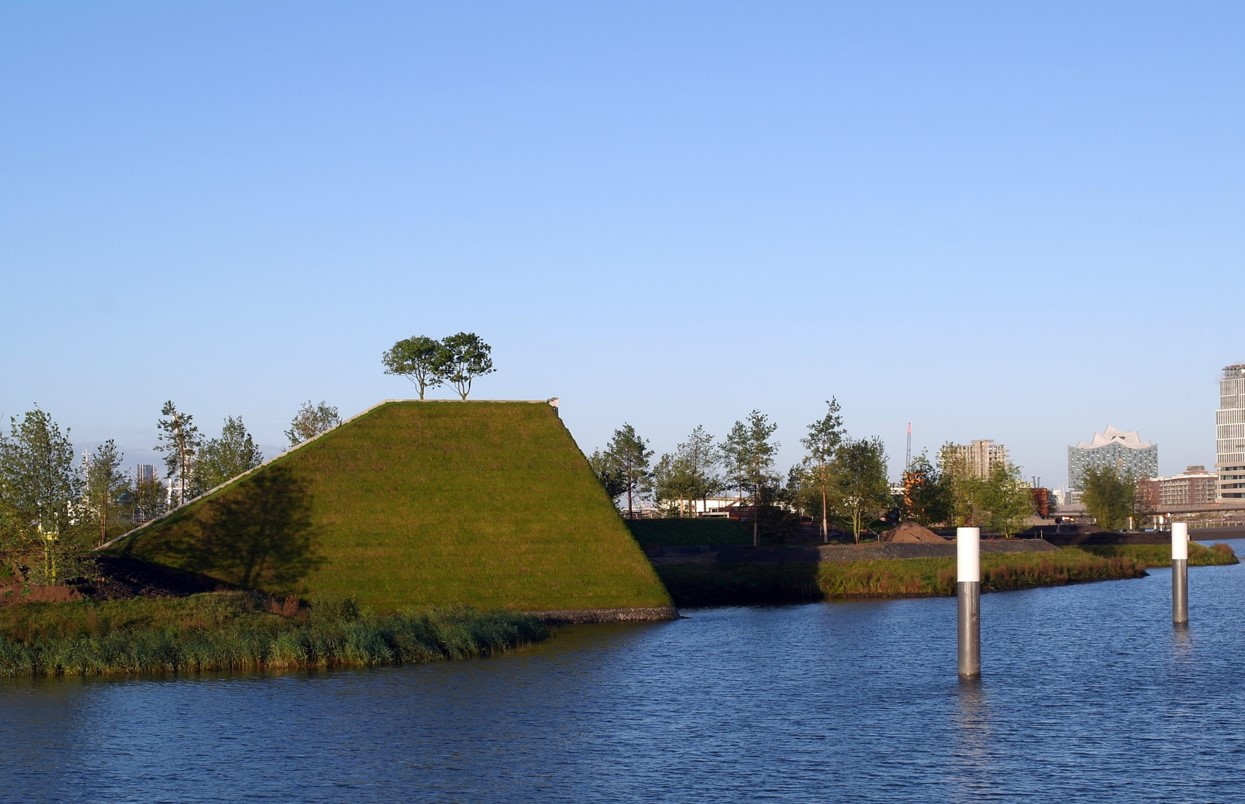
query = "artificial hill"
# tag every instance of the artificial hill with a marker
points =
(417, 504)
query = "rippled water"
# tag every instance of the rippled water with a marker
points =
(1088, 693)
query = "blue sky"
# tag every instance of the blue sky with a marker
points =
(1016, 221)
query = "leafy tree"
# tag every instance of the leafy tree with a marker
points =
(748, 454)
(1006, 500)
(420, 359)
(823, 440)
(927, 493)
(690, 473)
(150, 500)
(1108, 496)
(964, 487)
(463, 358)
(222, 459)
(39, 493)
(106, 488)
(627, 457)
(181, 439)
(608, 474)
(312, 420)
(861, 491)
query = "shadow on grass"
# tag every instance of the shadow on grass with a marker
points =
(257, 534)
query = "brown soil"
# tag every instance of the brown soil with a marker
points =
(116, 577)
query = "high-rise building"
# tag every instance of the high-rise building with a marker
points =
(1121, 450)
(979, 456)
(1230, 434)
(144, 473)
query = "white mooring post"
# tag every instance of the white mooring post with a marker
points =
(968, 593)
(1180, 573)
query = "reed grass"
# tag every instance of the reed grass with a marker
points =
(731, 584)
(231, 631)
(1160, 555)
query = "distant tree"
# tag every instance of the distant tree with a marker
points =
(748, 454)
(964, 488)
(180, 440)
(608, 474)
(861, 491)
(463, 358)
(1006, 501)
(823, 440)
(1108, 496)
(420, 359)
(627, 456)
(927, 493)
(39, 495)
(690, 473)
(106, 488)
(150, 500)
(312, 420)
(222, 459)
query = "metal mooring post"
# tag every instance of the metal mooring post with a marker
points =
(968, 594)
(1180, 573)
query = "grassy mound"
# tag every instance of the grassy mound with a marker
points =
(482, 504)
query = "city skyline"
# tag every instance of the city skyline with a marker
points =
(993, 222)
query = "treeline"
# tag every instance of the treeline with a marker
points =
(841, 482)
(55, 509)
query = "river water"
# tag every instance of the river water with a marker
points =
(1088, 693)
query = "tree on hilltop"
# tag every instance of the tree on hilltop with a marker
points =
(420, 359)
(464, 357)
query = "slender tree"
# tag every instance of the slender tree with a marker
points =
(464, 357)
(420, 359)
(312, 420)
(40, 491)
(222, 459)
(608, 474)
(748, 453)
(628, 456)
(823, 440)
(861, 491)
(180, 440)
(106, 487)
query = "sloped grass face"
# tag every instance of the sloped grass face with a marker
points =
(235, 632)
(484, 504)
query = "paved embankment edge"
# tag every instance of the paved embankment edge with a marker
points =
(832, 552)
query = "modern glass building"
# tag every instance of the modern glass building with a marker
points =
(1230, 434)
(1122, 450)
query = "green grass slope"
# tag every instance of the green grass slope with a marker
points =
(484, 504)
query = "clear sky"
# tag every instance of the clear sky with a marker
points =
(1016, 221)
